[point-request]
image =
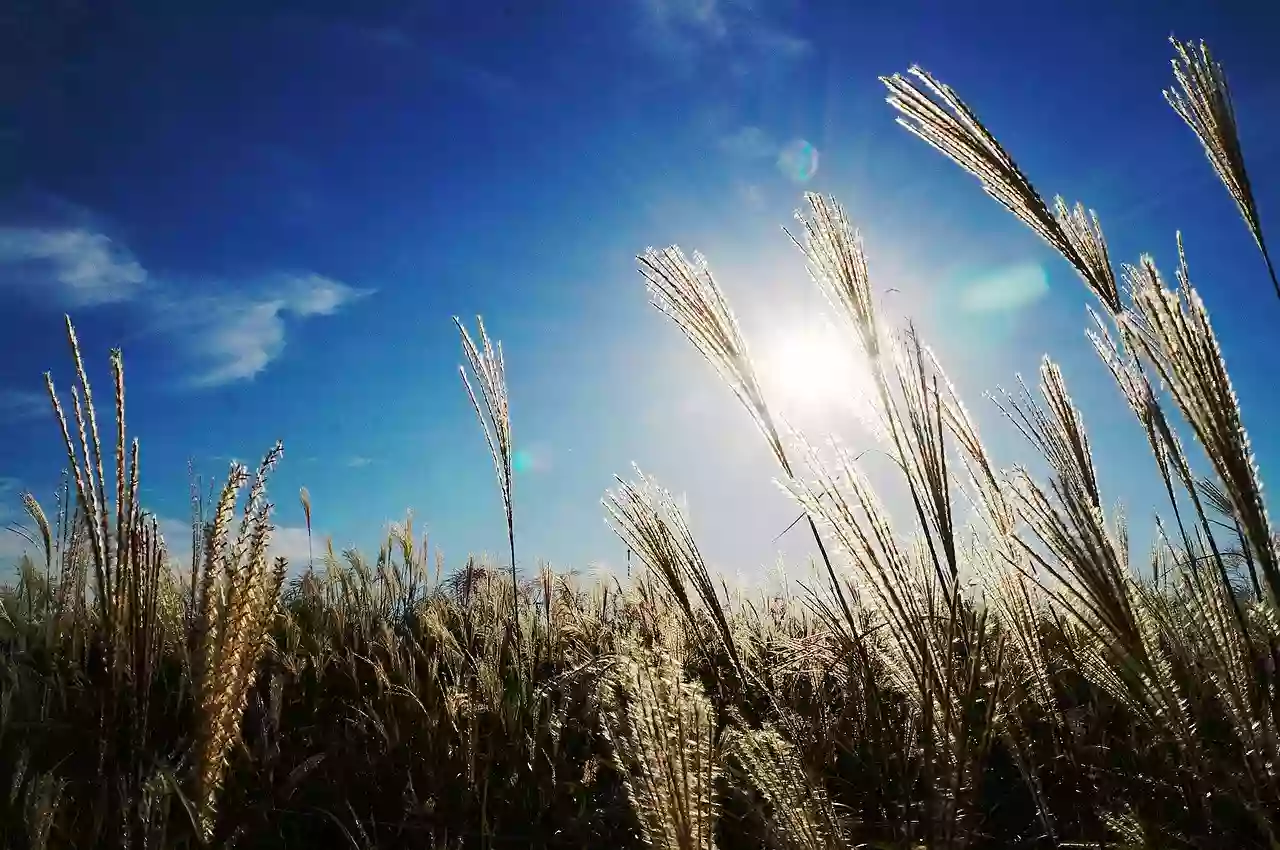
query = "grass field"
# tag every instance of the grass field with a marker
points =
(1010, 681)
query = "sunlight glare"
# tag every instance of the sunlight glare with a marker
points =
(811, 371)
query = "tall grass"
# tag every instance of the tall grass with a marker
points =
(992, 668)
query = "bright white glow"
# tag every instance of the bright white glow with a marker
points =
(811, 370)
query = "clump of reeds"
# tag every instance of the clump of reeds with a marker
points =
(236, 600)
(800, 814)
(663, 737)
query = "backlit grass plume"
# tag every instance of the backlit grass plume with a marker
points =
(651, 524)
(663, 735)
(1203, 100)
(237, 599)
(1172, 330)
(493, 410)
(800, 813)
(686, 292)
(932, 111)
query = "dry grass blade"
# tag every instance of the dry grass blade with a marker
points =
(1203, 100)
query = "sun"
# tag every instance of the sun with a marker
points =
(811, 370)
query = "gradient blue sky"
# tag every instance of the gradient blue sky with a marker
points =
(276, 213)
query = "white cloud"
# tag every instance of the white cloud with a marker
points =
(75, 266)
(234, 336)
(359, 462)
(749, 142)
(224, 336)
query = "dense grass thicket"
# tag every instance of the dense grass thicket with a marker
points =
(989, 670)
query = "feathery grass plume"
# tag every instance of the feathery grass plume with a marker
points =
(489, 368)
(800, 812)
(87, 490)
(911, 418)
(651, 524)
(1089, 563)
(663, 734)
(1083, 232)
(1123, 650)
(837, 263)
(1203, 100)
(33, 509)
(237, 597)
(930, 110)
(1171, 458)
(1171, 329)
(687, 293)
(123, 594)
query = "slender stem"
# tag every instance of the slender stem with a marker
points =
(1271, 269)
(831, 573)
(515, 582)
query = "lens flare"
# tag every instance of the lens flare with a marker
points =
(1005, 290)
(798, 161)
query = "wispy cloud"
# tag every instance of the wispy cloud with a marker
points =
(684, 27)
(445, 64)
(359, 462)
(234, 336)
(78, 267)
(690, 18)
(223, 335)
(749, 142)
(19, 405)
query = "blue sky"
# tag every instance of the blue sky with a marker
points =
(276, 213)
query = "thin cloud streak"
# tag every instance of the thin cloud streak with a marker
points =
(23, 405)
(222, 335)
(77, 267)
(682, 28)
(749, 142)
